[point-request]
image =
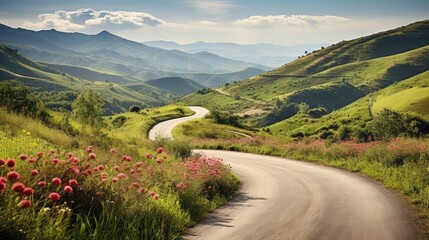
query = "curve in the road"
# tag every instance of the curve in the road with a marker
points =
(286, 199)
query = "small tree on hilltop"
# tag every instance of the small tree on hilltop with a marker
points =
(134, 108)
(88, 108)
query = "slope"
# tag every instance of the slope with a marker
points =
(177, 85)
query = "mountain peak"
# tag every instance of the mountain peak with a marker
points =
(104, 33)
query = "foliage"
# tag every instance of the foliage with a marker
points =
(87, 108)
(225, 118)
(134, 108)
(390, 124)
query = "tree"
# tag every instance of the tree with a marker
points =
(134, 108)
(88, 108)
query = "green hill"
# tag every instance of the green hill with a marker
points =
(45, 79)
(179, 86)
(330, 78)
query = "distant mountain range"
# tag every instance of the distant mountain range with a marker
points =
(263, 54)
(108, 51)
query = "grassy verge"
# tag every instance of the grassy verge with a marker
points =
(58, 186)
(402, 164)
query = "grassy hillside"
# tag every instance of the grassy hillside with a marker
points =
(332, 77)
(41, 78)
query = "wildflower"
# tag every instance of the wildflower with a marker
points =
(34, 172)
(100, 167)
(103, 180)
(2, 162)
(113, 151)
(32, 160)
(134, 184)
(3, 179)
(51, 152)
(132, 171)
(148, 155)
(92, 156)
(2, 186)
(68, 189)
(10, 163)
(12, 175)
(103, 175)
(115, 179)
(142, 190)
(156, 196)
(116, 168)
(121, 175)
(159, 161)
(74, 170)
(73, 182)
(55, 197)
(55, 161)
(69, 155)
(23, 157)
(152, 194)
(42, 183)
(209, 187)
(24, 203)
(89, 149)
(159, 150)
(40, 154)
(18, 187)
(164, 157)
(28, 191)
(56, 181)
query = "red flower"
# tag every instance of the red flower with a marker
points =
(73, 182)
(121, 175)
(156, 196)
(152, 193)
(89, 149)
(10, 162)
(23, 156)
(159, 150)
(92, 156)
(51, 152)
(32, 160)
(115, 179)
(69, 155)
(116, 168)
(18, 187)
(100, 167)
(74, 170)
(113, 151)
(2, 186)
(12, 175)
(159, 161)
(148, 155)
(28, 191)
(103, 175)
(55, 197)
(2, 162)
(142, 190)
(42, 184)
(40, 154)
(34, 172)
(68, 189)
(165, 156)
(56, 181)
(25, 203)
(134, 184)
(3, 179)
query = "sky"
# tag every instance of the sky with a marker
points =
(281, 22)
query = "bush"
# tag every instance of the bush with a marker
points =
(134, 108)
(344, 132)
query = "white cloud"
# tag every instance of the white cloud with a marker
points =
(291, 21)
(86, 17)
(210, 7)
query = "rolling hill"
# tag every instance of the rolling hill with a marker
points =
(177, 85)
(329, 79)
(46, 79)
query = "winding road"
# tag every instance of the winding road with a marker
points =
(287, 199)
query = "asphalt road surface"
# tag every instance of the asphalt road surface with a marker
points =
(287, 199)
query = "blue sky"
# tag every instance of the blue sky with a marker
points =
(285, 22)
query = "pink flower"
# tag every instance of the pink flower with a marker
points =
(100, 167)
(25, 203)
(12, 175)
(89, 149)
(3, 179)
(55, 161)
(159, 150)
(152, 194)
(34, 172)
(73, 182)
(159, 161)
(18, 187)
(103, 175)
(134, 184)
(32, 160)
(10, 163)
(28, 191)
(148, 155)
(74, 170)
(2, 186)
(56, 181)
(164, 157)
(121, 175)
(55, 197)
(156, 196)
(116, 168)
(115, 179)
(23, 156)
(92, 156)
(68, 189)
(69, 155)
(40, 154)
(42, 184)
(2, 162)
(113, 151)
(142, 190)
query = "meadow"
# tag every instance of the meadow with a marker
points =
(92, 185)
